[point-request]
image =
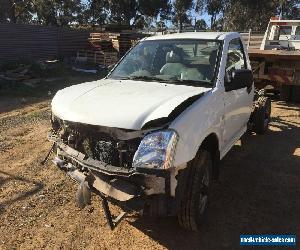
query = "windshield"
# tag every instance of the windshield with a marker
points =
(191, 62)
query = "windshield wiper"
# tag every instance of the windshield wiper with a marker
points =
(191, 82)
(146, 78)
(170, 81)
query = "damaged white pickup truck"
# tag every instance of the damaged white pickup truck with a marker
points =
(149, 136)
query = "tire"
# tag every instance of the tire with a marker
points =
(193, 206)
(262, 115)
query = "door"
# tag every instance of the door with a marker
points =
(237, 103)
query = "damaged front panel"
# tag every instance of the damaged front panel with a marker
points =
(100, 158)
(111, 146)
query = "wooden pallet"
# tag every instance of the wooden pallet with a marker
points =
(99, 37)
(97, 57)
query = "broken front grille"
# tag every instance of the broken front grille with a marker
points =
(116, 153)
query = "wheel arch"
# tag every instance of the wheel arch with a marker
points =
(211, 144)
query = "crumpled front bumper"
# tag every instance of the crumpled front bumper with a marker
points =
(119, 184)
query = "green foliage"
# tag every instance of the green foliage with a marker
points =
(160, 26)
(241, 15)
(213, 8)
(181, 9)
(17, 11)
(149, 10)
(224, 14)
(57, 12)
(289, 9)
(122, 11)
(201, 24)
(153, 8)
(95, 13)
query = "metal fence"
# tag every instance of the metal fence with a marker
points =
(22, 41)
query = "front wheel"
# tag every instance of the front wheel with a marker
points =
(194, 203)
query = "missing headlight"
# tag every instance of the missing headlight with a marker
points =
(55, 122)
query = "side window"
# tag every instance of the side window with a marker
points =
(285, 30)
(236, 57)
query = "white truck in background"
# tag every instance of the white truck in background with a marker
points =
(277, 62)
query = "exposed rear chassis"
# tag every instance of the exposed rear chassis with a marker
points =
(114, 183)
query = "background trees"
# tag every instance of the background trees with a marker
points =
(212, 7)
(181, 12)
(289, 9)
(221, 14)
(17, 11)
(200, 24)
(55, 12)
(243, 14)
(95, 12)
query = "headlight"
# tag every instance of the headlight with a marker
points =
(156, 150)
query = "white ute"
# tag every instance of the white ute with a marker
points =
(149, 136)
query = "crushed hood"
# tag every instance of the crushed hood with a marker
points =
(120, 103)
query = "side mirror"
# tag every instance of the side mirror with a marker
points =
(240, 78)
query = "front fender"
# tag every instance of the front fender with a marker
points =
(196, 123)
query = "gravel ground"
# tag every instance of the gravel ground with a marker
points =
(258, 192)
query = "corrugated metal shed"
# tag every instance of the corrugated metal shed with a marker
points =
(19, 41)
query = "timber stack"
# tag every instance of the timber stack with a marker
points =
(106, 48)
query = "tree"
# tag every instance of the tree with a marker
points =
(68, 12)
(153, 8)
(96, 12)
(212, 7)
(289, 9)
(57, 12)
(122, 11)
(18, 11)
(150, 10)
(200, 24)
(181, 9)
(4, 7)
(161, 26)
(141, 23)
(242, 15)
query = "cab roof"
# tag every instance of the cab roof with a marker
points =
(195, 35)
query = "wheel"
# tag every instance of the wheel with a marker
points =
(262, 115)
(194, 203)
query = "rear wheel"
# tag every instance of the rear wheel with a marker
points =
(262, 115)
(194, 203)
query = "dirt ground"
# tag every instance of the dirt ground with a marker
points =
(258, 191)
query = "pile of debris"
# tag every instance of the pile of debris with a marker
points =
(22, 73)
(31, 74)
(17, 74)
